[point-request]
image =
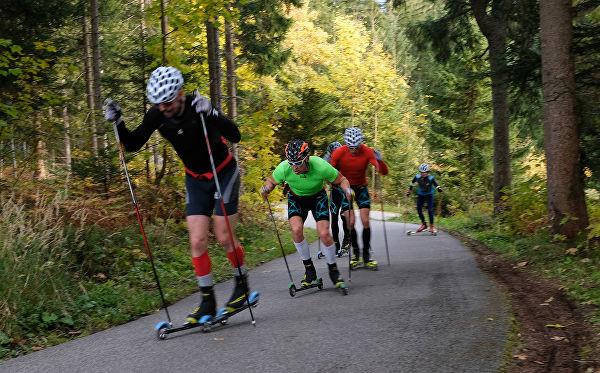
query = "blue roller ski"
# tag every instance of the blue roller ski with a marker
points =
(207, 322)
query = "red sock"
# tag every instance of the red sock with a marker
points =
(202, 264)
(240, 256)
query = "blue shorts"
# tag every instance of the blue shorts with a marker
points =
(201, 195)
(300, 205)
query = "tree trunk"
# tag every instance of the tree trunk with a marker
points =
(494, 28)
(565, 191)
(214, 64)
(231, 79)
(65, 117)
(164, 24)
(41, 173)
(96, 63)
(13, 150)
(89, 80)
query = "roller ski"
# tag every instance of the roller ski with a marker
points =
(423, 229)
(205, 321)
(309, 281)
(205, 314)
(337, 279)
(365, 262)
(226, 312)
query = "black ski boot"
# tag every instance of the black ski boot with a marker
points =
(208, 305)
(310, 273)
(238, 297)
(335, 276)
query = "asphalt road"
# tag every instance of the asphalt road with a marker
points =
(430, 310)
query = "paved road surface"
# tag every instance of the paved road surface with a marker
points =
(431, 310)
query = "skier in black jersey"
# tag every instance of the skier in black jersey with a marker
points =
(338, 206)
(177, 118)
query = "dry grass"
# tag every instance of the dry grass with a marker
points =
(35, 244)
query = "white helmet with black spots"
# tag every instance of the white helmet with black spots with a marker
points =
(353, 137)
(424, 167)
(331, 147)
(163, 85)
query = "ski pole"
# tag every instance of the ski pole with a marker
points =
(218, 186)
(347, 224)
(279, 239)
(137, 211)
(439, 208)
(383, 220)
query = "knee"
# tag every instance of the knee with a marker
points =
(297, 233)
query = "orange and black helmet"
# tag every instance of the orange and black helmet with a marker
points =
(296, 152)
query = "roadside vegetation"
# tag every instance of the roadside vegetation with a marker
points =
(66, 274)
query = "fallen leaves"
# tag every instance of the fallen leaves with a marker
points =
(547, 301)
(572, 251)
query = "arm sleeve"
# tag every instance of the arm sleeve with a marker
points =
(227, 128)
(435, 184)
(334, 157)
(134, 140)
(383, 168)
(414, 180)
(371, 155)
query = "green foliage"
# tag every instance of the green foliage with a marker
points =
(63, 276)
(526, 206)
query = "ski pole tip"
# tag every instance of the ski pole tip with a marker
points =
(254, 322)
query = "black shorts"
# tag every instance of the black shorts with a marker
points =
(338, 201)
(361, 197)
(300, 205)
(201, 195)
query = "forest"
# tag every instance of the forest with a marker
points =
(499, 98)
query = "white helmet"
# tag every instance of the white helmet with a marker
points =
(353, 137)
(163, 85)
(424, 167)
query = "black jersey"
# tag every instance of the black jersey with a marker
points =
(186, 135)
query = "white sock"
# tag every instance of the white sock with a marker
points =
(329, 252)
(303, 249)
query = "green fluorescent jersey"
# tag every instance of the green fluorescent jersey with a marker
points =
(309, 183)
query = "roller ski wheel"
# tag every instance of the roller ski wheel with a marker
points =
(342, 287)
(317, 284)
(223, 315)
(320, 255)
(408, 233)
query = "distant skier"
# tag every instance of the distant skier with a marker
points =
(352, 160)
(306, 177)
(425, 190)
